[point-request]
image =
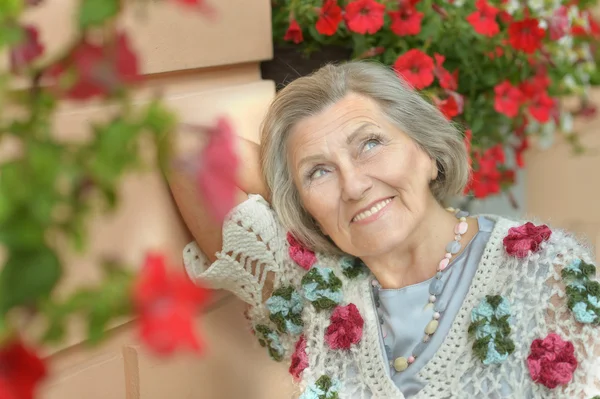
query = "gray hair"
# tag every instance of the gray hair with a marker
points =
(308, 96)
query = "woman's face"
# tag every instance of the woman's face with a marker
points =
(363, 180)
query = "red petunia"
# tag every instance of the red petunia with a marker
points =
(304, 257)
(541, 107)
(294, 33)
(448, 81)
(30, 49)
(406, 21)
(484, 19)
(330, 17)
(552, 361)
(217, 170)
(592, 30)
(508, 99)
(452, 105)
(526, 238)
(485, 178)
(20, 371)
(167, 304)
(98, 70)
(558, 25)
(299, 358)
(416, 68)
(364, 16)
(345, 327)
(526, 35)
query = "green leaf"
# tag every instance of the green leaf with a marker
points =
(28, 277)
(10, 35)
(96, 12)
(10, 8)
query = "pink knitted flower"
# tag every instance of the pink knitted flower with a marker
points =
(303, 256)
(299, 358)
(345, 328)
(520, 240)
(551, 361)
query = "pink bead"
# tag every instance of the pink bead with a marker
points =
(426, 338)
(448, 255)
(461, 228)
(436, 315)
(374, 283)
(444, 264)
(411, 359)
(384, 332)
(432, 298)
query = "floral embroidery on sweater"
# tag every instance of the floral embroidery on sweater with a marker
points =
(285, 308)
(491, 329)
(345, 328)
(323, 388)
(304, 257)
(269, 339)
(322, 288)
(526, 238)
(583, 293)
(552, 361)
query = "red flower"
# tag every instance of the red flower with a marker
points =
(484, 19)
(551, 361)
(451, 106)
(498, 52)
(558, 25)
(294, 33)
(99, 70)
(528, 237)
(508, 99)
(416, 67)
(304, 257)
(345, 327)
(299, 358)
(541, 107)
(485, 178)
(406, 21)
(200, 5)
(448, 81)
(167, 305)
(27, 51)
(526, 35)
(593, 27)
(364, 16)
(20, 371)
(217, 170)
(330, 17)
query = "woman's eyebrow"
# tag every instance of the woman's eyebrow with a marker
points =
(359, 130)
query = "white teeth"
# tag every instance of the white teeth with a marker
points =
(376, 208)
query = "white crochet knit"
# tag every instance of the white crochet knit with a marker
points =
(254, 243)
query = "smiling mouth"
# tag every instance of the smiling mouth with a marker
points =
(372, 211)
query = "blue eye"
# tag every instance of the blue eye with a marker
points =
(370, 144)
(316, 173)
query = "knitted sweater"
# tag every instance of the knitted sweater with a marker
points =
(320, 314)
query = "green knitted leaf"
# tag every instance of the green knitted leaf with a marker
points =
(494, 300)
(480, 347)
(587, 269)
(352, 267)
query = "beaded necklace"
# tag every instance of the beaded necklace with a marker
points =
(436, 288)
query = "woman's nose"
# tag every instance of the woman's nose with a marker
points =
(355, 183)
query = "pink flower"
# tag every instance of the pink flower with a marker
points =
(520, 240)
(551, 361)
(299, 358)
(303, 256)
(558, 26)
(345, 328)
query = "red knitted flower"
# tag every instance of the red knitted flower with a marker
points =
(520, 240)
(345, 328)
(551, 361)
(303, 256)
(299, 358)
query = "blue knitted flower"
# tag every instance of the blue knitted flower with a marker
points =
(322, 288)
(582, 291)
(352, 267)
(285, 307)
(269, 339)
(491, 329)
(323, 388)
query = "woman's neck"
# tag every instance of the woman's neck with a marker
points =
(417, 259)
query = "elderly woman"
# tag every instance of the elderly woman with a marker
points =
(356, 273)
